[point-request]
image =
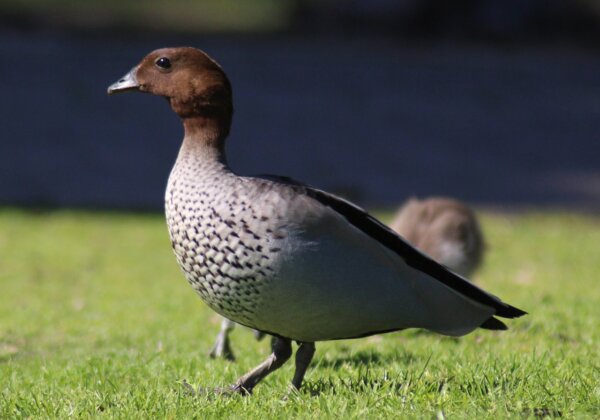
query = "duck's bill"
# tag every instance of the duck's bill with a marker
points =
(124, 84)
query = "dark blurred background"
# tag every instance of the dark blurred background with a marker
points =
(496, 102)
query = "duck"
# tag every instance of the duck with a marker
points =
(444, 228)
(280, 256)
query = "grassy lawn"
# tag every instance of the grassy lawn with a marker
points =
(96, 320)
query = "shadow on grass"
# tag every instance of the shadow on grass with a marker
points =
(367, 383)
(541, 413)
(364, 359)
(358, 385)
(364, 380)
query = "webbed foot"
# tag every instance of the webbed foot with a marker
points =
(217, 392)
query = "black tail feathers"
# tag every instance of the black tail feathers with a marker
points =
(493, 324)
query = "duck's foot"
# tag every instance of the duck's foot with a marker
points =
(282, 350)
(217, 392)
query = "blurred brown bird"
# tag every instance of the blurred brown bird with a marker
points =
(445, 229)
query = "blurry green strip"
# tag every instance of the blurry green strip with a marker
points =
(175, 15)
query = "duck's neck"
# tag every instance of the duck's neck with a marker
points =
(204, 141)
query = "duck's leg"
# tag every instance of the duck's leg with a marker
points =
(304, 355)
(282, 351)
(222, 348)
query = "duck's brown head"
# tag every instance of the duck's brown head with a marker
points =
(195, 85)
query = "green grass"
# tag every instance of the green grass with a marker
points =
(96, 320)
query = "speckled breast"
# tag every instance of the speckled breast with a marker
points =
(221, 241)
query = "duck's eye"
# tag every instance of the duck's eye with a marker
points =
(163, 63)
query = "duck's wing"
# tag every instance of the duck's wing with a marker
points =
(378, 231)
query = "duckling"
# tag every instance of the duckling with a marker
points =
(445, 229)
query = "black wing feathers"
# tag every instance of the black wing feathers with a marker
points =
(413, 257)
